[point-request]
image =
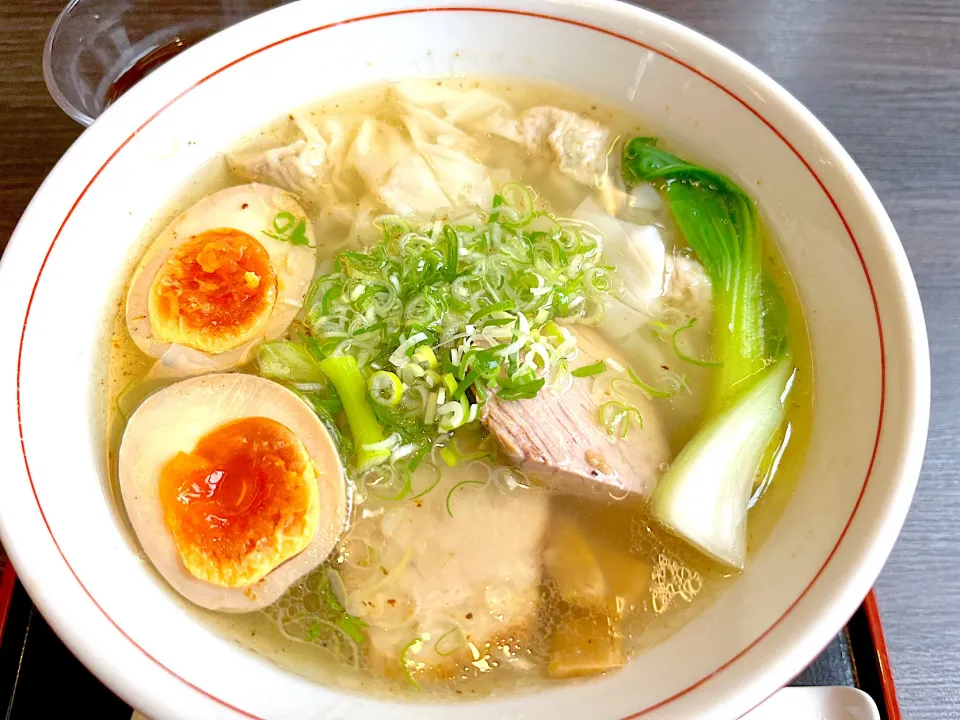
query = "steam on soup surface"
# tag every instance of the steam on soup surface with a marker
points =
(450, 387)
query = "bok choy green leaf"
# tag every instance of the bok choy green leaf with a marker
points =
(722, 226)
(288, 361)
(704, 496)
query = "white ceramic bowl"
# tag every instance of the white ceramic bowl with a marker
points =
(59, 275)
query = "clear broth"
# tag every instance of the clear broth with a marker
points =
(687, 583)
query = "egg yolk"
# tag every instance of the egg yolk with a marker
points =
(244, 501)
(216, 292)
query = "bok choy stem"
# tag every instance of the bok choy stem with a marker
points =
(704, 497)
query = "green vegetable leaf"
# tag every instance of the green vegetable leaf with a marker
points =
(774, 311)
(287, 227)
(587, 370)
(352, 626)
(289, 361)
(521, 391)
(722, 225)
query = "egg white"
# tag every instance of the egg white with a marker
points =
(173, 420)
(250, 209)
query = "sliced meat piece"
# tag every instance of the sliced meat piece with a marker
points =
(560, 439)
(466, 586)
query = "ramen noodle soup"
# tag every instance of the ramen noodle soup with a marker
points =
(447, 388)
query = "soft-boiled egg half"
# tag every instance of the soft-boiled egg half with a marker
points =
(234, 488)
(229, 272)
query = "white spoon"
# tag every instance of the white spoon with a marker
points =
(816, 703)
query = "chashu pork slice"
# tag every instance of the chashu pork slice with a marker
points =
(453, 593)
(559, 439)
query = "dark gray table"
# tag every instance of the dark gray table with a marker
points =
(884, 77)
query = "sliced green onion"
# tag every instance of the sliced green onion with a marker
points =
(404, 489)
(460, 485)
(370, 328)
(414, 646)
(387, 444)
(587, 370)
(447, 637)
(417, 458)
(385, 388)
(615, 414)
(426, 357)
(287, 227)
(467, 381)
(448, 457)
(517, 204)
(451, 415)
(650, 390)
(658, 327)
(436, 481)
(439, 314)
(353, 627)
(686, 358)
(502, 306)
(431, 412)
(349, 624)
(452, 254)
(553, 330)
(399, 356)
(450, 383)
(411, 372)
(522, 391)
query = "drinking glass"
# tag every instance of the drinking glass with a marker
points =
(98, 49)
